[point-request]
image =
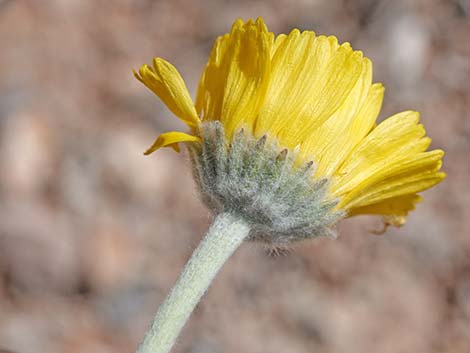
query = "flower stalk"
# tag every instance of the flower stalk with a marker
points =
(224, 236)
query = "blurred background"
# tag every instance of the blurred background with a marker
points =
(93, 234)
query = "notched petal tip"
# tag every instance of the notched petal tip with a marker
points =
(137, 75)
(237, 25)
(441, 176)
(147, 73)
(156, 62)
(261, 24)
(440, 153)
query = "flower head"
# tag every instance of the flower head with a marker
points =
(283, 132)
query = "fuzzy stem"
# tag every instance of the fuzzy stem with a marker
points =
(223, 237)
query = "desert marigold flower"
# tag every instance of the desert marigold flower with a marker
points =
(306, 95)
(284, 143)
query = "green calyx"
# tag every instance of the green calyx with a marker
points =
(258, 181)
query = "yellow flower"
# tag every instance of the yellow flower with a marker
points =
(312, 95)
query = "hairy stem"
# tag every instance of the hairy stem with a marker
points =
(223, 237)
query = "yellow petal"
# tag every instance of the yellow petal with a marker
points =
(325, 81)
(393, 140)
(277, 43)
(166, 82)
(397, 206)
(247, 77)
(292, 60)
(233, 85)
(397, 187)
(212, 83)
(393, 210)
(171, 139)
(412, 174)
(332, 142)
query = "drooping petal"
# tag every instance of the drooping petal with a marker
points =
(398, 206)
(393, 211)
(171, 139)
(390, 162)
(411, 175)
(392, 140)
(166, 82)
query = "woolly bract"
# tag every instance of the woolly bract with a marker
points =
(312, 95)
